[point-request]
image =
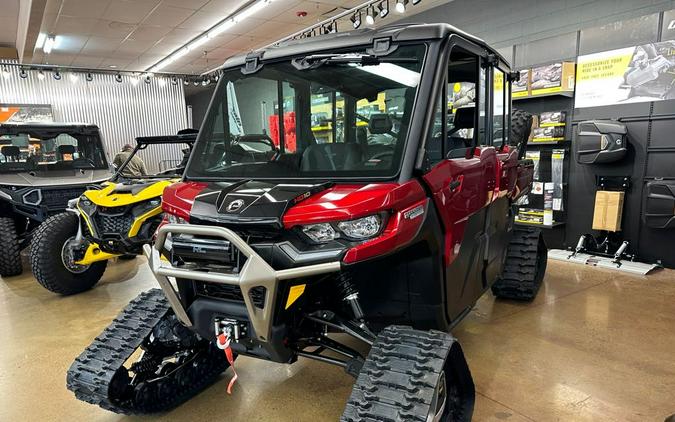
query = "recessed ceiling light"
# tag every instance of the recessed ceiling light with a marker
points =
(114, 66)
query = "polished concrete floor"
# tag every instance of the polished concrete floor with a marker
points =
(594, 346)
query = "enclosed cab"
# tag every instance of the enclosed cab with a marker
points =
(360, 183)
(42, 167)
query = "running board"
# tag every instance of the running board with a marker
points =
(602, 262)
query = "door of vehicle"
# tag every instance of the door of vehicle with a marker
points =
(462, 175)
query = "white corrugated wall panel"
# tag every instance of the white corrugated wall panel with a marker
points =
(122, 111)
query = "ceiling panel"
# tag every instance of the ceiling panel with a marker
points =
(84, 8)
(113, 29)
(186, 4)
(87, 61)
(8, 22)
(200, 21)
(100, 46)
(168, 16)
(224, 7)
(130, 11)
(149, 33)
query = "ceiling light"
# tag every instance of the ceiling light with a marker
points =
(57, 75)
(186, 81)
(356, 20)
(220, 27)
(195, 82)
(41, 75)
(370, 16)
(5, 72)
(384, 8)
(415, 1)
(49, 44)
(89, 77)
(118, 78)
(23, 74)
(73, 77)
(393, 72)
(206, 81)
(112, 66)
(147, 78)
(40, 42)
(174, 80)
(400, 5)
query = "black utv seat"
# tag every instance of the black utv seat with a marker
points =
(62, 150)
(333, 156)
(464, 119)
(10, 151)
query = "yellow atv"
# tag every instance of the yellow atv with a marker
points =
(70, 251)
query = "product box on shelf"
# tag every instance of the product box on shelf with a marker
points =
(552, 118)
(552, 78)
(548, 134)
(521, 87)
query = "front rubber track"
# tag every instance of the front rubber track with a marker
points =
(10, 253)
(46, 261)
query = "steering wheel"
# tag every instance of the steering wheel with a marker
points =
(381, 155)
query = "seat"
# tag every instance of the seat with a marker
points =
(10, 151)
(62, 150)
(464, 119)
(333, 156)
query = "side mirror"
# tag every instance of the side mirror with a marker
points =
(600, 142)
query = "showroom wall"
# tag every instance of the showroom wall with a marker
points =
(122, 110)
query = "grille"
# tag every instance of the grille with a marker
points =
(54, 198)
(119, 224)
(230, 292)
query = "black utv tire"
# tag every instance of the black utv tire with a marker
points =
(10, 253)
(47, 262)
(521, 126)
(524, 268)
(411, 375)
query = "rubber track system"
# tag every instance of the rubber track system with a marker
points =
(91, 375)
(398, 379)
(524, 267)
(10, 257)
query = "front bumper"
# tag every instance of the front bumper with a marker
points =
(255, 272)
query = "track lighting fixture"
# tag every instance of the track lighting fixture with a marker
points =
(370, 16)
(23, 74)
(57, 75)
(356, 20)
(186, 81)
(118, 78)
(400, 5)
(89, 77)
(41, 75)
(383, 7)
(5, 72)
(174, 80)
(414, 2)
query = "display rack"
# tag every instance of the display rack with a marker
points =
(560, 101)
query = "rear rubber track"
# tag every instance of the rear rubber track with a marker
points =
(398, 379)
(524, 267)
(90, 376)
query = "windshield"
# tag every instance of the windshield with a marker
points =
(152, 160)
(35, 152)
(315, 117)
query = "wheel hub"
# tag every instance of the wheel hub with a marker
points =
(68, 256)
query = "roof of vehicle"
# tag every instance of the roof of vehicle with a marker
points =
(397, 33)
(18, 127)
(187, 138)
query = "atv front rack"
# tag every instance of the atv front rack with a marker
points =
(255, 272)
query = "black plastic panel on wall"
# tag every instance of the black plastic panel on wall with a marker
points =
(626, 33)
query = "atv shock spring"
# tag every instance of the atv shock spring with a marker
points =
(350, 293)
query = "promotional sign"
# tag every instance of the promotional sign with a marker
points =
(633, 74)
(18, 113)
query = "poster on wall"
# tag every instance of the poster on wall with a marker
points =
(19, 113)
(626, 75)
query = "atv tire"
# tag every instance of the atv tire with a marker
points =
(10, 253)
(411, 375)
(521, 127)
(46, 257)
(524, 268)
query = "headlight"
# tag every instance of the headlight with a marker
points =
(322, 232)
(361, 228)
(174, 219)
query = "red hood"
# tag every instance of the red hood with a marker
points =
(346, 202)
(178, 198)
